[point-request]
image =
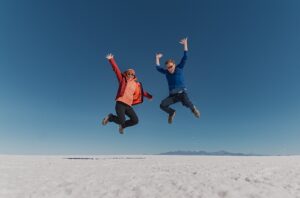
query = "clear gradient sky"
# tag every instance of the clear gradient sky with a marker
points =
(242, 73)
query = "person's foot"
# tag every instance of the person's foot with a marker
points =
(106, 119)
(121, 129)
(196, 112)
(171, 117)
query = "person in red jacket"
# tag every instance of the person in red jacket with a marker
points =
(130, 93)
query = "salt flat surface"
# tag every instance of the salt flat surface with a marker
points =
(149, 177)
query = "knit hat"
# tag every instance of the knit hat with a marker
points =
(131, 71)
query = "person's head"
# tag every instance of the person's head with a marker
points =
(129, 74)
(170, 65)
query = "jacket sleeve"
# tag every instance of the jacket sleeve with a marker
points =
(147, 95)
(161, 70)
(183, 60)
(116, 69)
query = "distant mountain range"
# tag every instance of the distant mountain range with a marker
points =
(217, 153)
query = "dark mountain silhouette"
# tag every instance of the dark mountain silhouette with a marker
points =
(217, 153)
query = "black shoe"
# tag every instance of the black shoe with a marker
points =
(121, 129)
(171, 117)
(106, 119)
(196, 112)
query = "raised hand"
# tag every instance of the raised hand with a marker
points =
(109, 56)
(184, 42)
(159, 55)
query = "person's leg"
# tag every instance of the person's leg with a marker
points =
(165, 103)
(187, 102)
(133, 117)
(184, 99)
(120, 110)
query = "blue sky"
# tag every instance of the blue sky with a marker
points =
(242, 73)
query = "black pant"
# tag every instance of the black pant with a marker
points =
(174, 98)
(123, 109)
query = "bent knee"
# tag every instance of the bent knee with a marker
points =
(135, 121)
(163, 105)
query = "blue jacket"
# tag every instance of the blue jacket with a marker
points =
(175, 80)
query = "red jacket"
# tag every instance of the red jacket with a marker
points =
(139, 92)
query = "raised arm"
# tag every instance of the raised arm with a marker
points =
(158, 57)
(184, 42)
(114, 66)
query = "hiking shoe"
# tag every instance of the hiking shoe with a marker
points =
(121, 129)
(196, 112)
(106, 119)
(171, 117)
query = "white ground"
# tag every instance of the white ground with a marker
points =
(149, 177)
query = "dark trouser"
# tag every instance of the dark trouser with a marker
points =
(123, 109)
(174, 98)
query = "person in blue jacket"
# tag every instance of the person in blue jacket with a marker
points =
(177, 88)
